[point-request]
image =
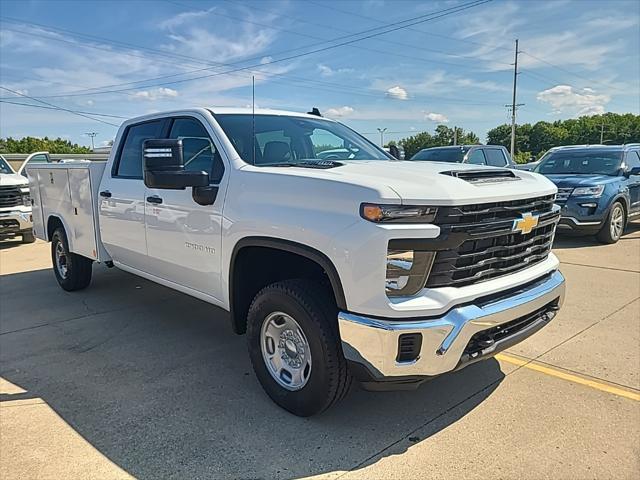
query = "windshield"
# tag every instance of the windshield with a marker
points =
(581, 162)
(287, 140)
(4, 166)
(451, 155)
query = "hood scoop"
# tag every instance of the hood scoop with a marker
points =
(321, 164)
(481, 176)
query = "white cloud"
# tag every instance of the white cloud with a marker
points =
(567, 99)
(327, 71)
(184, 17)
(339, 111)
(397, 92)
(156, 93)
(436, 117)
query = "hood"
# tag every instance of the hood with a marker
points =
(572, 180)
(428, 182)
(8, 179)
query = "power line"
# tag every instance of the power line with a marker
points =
(413, 21)
(91, 91)
(569, 71)
(373, 19)
(58, 107)
(333, 27)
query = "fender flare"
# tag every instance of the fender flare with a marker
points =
(293, 247)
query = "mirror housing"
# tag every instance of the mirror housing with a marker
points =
(163, 164)
(632, 171)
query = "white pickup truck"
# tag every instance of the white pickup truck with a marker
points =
(366, 267)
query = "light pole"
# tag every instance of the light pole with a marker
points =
(92, 135)
(382, 130)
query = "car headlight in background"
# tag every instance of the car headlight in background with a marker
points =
(588, 191)
(407, 271)
(26, 198)
(397, 213)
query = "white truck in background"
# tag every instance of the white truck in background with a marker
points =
(386, 271)
(15, 204)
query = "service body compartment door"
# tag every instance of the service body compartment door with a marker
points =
(83, 225)
(39, 228)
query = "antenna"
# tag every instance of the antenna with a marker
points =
(253, 116)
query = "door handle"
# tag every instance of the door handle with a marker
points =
(105, 193)
(154, 199)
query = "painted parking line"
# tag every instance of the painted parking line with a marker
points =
(597, 385)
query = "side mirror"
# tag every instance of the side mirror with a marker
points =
(632, 171)
(164, 166)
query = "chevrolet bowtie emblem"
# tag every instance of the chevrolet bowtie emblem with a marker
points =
(525, 224)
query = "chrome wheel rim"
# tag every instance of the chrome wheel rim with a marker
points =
(61, 260)
(285, 351)
(617, 222)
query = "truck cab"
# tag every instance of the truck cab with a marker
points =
(370, 268)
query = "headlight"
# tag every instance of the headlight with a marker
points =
(407, 271)
(588, 191)
(397, 213)
(26, 198)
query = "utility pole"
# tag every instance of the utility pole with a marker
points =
(602, 131)
(92, 135)
(382, 130)
(513, 103)
(455, 135)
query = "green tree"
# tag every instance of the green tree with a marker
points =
(33, 144)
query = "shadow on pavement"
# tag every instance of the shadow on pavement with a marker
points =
(156, 381)
(10, 243)
(566, 239)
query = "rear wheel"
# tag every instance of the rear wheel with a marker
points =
(72, 271)
(613, 227)
(295, 347)
(28, 237)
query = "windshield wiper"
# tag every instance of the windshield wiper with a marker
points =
(310, 163)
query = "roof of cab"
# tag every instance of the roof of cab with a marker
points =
(259, 111)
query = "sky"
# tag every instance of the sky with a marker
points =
(403, 65)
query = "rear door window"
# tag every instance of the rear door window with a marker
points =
(477, 158)
(495, 157)
(129, 164)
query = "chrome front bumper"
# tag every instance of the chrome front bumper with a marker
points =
(373, 343)
(15, 221)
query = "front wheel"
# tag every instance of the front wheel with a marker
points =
(295, 348)
(72, 271)
(613, 227)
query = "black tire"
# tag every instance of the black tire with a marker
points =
(78, 268)
(609, 234)
(28, 237)
(314, 309)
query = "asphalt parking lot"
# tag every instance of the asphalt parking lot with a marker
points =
(131, 379)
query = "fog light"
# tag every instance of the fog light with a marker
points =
(589, 205)
(407, 271)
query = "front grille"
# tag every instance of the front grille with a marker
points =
(563, 195)
(483, 245)
(9, 226)
(10, 196)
